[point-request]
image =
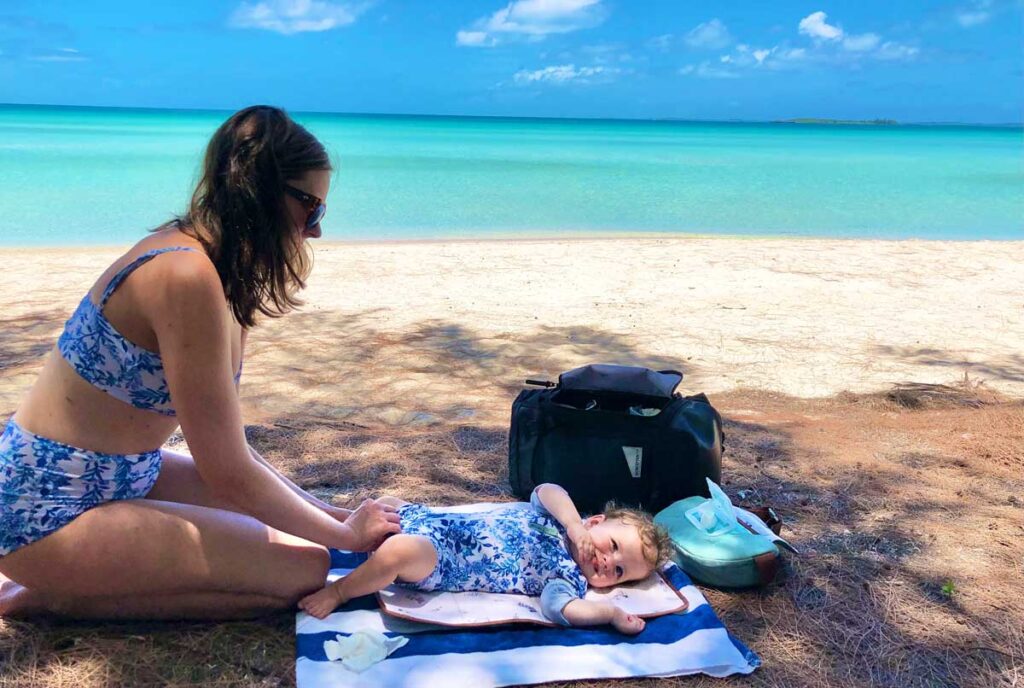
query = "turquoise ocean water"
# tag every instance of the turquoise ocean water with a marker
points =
(74, 176)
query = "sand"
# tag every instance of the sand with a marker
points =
(397, 378)
(418, 332)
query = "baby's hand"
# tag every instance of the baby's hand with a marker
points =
(630, 624)
(320, 603)
(580, 538)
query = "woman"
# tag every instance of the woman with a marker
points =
(96, 521)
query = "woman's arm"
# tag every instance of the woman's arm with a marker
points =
(193, 329)
(333, 511)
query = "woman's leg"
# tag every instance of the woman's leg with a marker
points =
(15, 599)
(408, 558)
(179, 481)
(152, 555)
(182, 606)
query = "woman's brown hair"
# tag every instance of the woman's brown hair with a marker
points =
(238, 210)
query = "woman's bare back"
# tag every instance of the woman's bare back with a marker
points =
(65, 407)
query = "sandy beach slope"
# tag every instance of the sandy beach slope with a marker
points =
(411, 332)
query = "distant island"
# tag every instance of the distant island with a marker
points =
(816, 120)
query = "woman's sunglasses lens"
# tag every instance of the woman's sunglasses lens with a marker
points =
(314, 218)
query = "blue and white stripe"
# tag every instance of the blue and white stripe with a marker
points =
(672, 645)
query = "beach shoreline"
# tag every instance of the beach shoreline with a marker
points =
(449, 326)
(546, 236)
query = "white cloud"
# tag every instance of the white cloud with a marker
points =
(602, 48)
(892, 50)
(815, 26)
(974, 15)
(61, 55)
(295, 16)
(661, 42)
(969, 19)
(605, 53)
(707, 70)
(478, 39)
(535, 19)
(862, 43)
(560, 74)
(710, 35)
(775, 58)
(829, 46)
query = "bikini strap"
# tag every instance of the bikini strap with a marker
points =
(128, 269)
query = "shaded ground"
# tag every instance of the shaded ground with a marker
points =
(910, 521)
(909, 510)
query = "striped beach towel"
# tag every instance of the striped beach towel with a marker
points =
(691, 642)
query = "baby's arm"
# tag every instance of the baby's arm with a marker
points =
(557, 502)
(563, 605)
(587, 613)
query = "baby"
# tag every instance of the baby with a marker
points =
(548, 550)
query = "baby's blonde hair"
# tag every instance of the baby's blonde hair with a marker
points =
(657, 545)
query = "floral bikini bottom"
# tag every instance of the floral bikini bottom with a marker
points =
(45, 484)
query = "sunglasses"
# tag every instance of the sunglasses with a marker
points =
(316, 207)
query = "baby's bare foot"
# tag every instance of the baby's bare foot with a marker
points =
(320, 603)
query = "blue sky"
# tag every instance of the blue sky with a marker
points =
(959, 60)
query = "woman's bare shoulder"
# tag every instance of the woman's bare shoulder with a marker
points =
(180, 281)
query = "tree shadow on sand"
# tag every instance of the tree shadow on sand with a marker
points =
(350, 410)
(869, 601)
(1008, 368)
(343, 367)
(24, 342)
(863, 604)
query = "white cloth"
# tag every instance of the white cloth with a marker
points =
(362, 649)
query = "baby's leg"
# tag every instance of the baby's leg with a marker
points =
(408, 558)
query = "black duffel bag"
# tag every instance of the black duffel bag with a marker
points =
(609, 432)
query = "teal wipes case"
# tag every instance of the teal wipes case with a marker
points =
(720, 545)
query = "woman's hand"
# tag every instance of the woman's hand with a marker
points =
(580, 538)
(370, 524)
(630, 624)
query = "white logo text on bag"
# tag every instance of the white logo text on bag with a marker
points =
(634, 459)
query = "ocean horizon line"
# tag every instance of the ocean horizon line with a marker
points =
(876, 122)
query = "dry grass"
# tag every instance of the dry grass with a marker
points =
(909, 517)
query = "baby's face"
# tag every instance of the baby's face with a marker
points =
(618, 553)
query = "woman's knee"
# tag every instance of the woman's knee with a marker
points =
(308, 564)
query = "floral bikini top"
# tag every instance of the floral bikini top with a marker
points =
(108, 361)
